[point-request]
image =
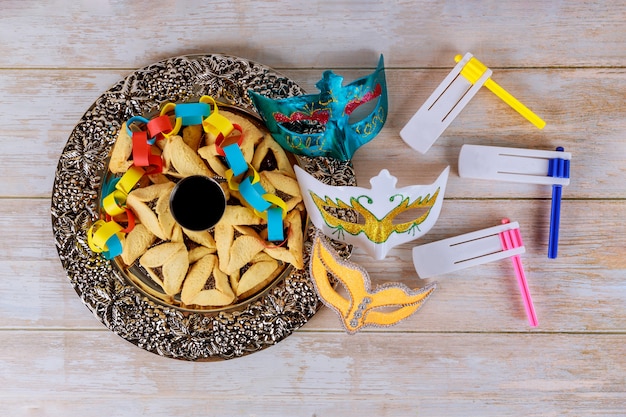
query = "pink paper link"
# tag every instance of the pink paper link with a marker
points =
(511, 239)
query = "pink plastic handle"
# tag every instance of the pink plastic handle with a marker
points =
(511, 239)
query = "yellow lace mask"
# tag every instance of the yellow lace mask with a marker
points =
(383, 306)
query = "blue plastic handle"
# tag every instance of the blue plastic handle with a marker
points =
(555, 219)
(558, 168)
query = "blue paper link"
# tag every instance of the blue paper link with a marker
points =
(192, 113)
(235, 159)
(252, 196)
(133, 120)
(258, 187)
(275, 231)
(108, 187)
(558, 168)
(114, 244)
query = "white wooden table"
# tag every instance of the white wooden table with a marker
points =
(469, 351)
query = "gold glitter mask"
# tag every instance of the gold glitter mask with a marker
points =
(386, 216)
(361, 306)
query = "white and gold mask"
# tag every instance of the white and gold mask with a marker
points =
(386, 216)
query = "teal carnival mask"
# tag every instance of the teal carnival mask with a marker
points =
(335, 123)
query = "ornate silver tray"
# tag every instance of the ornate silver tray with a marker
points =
(108, 292)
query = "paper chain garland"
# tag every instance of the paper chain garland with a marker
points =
(106, 235)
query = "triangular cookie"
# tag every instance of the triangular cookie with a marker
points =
(205, 273)
(167, 264)
(142, 200)
(180, 161)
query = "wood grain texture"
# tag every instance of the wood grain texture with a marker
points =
(367, 374)
(469, 350)
(299, 33)
(565, 98)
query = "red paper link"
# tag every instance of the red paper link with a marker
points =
(220, 139)
(156, 165)
(130, 219)
(159, 127)
(141, 149)
(142, 154)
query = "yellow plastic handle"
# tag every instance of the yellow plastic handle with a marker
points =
(473, 71)
(514, 103)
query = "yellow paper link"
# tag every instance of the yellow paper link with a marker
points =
(230, 177)
(275, 200)
(99, 233)
(474, 69)
(215, 123)
(130, 178)
(167, 108)
(255, 175)
(113, 202)
(208, 100)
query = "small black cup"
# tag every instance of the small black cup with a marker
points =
(197, 202)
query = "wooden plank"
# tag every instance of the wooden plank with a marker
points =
(580, 290)
(36, 292)
(130, 35)
(41, 109)
(583, 109)
(87, 372)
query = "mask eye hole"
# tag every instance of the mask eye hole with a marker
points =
(361, 108)
(361, 111)
(349, 215)
(411, 215)
(360, 219)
